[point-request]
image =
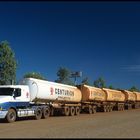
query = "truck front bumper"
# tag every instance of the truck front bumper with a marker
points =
(3, 114)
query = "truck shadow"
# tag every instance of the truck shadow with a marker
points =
(2, 121)
(18, 119)
(25, 119)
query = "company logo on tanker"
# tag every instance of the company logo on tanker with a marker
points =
(119, 96)
(93, 93)
(61, 92)
(51, 90)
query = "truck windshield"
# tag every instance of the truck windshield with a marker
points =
(6, 91)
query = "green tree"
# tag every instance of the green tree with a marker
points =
(111, 87)
(64, 75)
(133, 88)
(34, 75)
(8, 64)
(85, 81)
(100, 83)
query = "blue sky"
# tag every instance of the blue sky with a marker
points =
(97, 38)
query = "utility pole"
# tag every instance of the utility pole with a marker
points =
(75, 75)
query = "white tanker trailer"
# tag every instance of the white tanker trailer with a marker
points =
(46, 91)
(38, 98)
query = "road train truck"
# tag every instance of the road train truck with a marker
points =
(38, 98)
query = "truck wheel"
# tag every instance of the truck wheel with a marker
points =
(66, 111)
(122, 107)
(90, 111)
(119, 108)
(38, 113)
(77, 110)
(111, 108)
(108, 108)
(136, 106)
(46, 112)
(11, 116)
(105, 108)
(130, 107)
(72, 111)
(94, 109)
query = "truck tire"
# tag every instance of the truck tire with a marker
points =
(94, 109)
(66, 111)
(130, 106)
(108, 108)
(105, 108)
(38, 113)
(122, 107)
(72, 111)
(111, 108)
(90, 110)
(77, 110)
(45, 113)
(11, 116)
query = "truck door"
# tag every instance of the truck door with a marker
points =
(17, 94)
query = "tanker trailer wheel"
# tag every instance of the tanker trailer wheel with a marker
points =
(119, 108)
(72, 111)
(38, 113)
(90, 110)
(105, 108)
(111, 108)
(11, 116)
(122, 107)
(77, 110)
(66, 111)
(94, 109)
(45, 113)
(108, 108)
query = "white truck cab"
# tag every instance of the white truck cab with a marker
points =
(14, 93)
(12, 98)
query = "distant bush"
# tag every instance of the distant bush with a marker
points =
(34, 75)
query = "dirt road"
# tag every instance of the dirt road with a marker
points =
(116, 124)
